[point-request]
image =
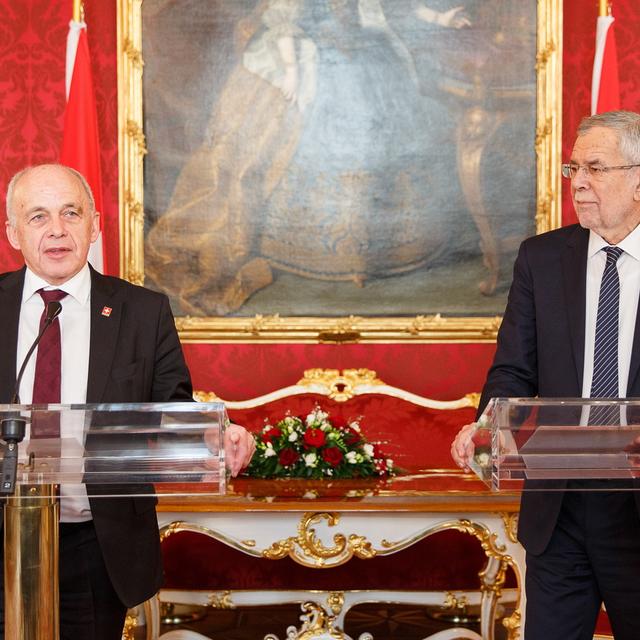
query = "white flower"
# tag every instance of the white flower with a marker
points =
(269, 451)
(310, 459)
(321, 416)
(332, 435)
(325, 426)
(293, 436)
(352, 457)
(389, 462)
(266, 428)
(355, 426)
(368, 450)
(311, 418)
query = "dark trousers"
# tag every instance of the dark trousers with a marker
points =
(593, 557)
(89, 607)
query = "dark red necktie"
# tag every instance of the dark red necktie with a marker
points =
(46, 383)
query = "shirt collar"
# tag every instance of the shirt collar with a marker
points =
(78, 287)
(630, 244)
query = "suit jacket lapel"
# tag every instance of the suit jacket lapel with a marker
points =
(574, 273)
(106, 315)
(10, 301)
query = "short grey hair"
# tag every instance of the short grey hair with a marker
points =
(625, 123)
(11, 215)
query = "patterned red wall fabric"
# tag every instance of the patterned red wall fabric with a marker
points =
(33, 35)
(579, 44)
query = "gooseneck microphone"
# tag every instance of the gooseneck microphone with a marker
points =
(54, 308)
(13, 429)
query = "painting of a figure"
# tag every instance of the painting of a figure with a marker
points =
(337, 157)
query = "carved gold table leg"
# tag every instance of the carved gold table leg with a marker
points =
(31, 564)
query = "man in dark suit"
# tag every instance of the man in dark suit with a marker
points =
(118, 344)
(583, 547)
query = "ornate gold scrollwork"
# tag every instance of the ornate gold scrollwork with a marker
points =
(314, 552)
(474, 398)
(512, 625)
(510, 521)
(221, 600)
(341, 385)
(315, 623)
(335, 601)
(205, 396)
(130, 624)
(454, 604)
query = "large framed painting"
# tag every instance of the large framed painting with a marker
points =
(327, 170)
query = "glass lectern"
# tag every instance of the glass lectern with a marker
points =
(558, 444)
(110, 450)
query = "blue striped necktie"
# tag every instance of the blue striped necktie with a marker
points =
(604, 383)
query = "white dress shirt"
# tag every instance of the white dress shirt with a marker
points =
(75, 326)
(628, 265)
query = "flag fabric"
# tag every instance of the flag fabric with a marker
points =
(605, 86)
(80, 141)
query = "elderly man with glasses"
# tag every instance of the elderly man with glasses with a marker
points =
(571, 328)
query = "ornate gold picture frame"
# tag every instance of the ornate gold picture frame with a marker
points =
(487, 152)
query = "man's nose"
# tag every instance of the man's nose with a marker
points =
(582, 179)
(56, 226)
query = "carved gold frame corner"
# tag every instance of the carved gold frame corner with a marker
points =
(274, 328)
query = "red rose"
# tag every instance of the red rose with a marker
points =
(271, 435)
(350, 436)
(287, 457)
(314, 437)
(332, 455)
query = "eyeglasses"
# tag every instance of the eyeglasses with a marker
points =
(595, 171)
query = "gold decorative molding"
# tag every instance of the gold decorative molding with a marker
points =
(512, 625)
(353, 329)
(548, 143)
(248, 546)
(335, 601)
(316, 623)
(454, 604)
(342, 385)
(510, 521)
(308, 550)
(221, 600)
(130, 624)
(274, 329)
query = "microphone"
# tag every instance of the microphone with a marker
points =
(54, 309)
(13, 429)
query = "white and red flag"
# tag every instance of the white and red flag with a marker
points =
(80, 141)
(605, 85)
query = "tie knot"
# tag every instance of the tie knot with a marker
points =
(613, 253)
(54, 295)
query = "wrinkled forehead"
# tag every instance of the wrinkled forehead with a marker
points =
(49, 186)
(598, 143)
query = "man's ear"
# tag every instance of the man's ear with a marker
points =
(95, 226)
(12, 235)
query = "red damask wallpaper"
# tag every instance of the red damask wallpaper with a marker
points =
(33, 36)
(579, 44)
(32, 45)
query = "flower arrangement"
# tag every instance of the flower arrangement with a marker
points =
(315, 448)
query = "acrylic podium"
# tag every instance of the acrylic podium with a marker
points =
(168, 449)
(558, 444)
